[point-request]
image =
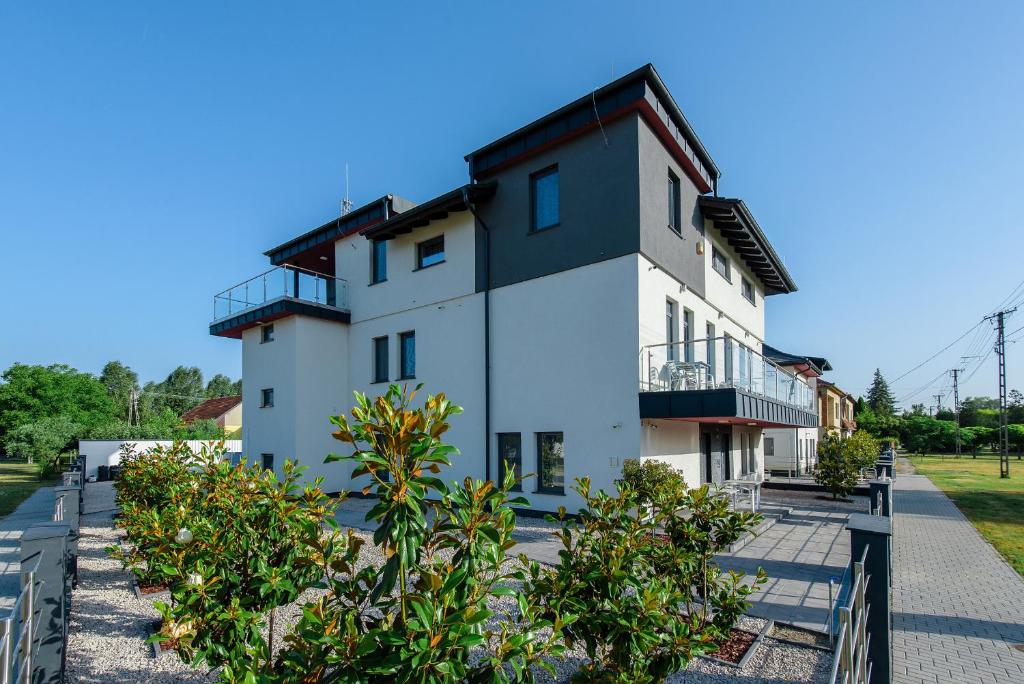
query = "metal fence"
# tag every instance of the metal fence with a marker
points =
(850, 664)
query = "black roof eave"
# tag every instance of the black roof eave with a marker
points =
(431, 210)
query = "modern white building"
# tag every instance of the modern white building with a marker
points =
(586, 297)
(794, 451)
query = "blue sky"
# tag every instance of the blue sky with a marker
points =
(149, 154)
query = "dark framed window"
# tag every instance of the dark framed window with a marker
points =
(379, 261)
(671, 330)
(430, 252)
(674, 203)
(748, 290)
(550, 463)
(720, 263)
(267, 397)
(769, 446)
(407, 349)
(544, 200)
(268, 461)
(267, 333)
(709, 331)
(380, 359)
(687, 335)
(510, 455)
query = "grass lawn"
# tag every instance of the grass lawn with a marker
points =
(17, 481)
(994, 505)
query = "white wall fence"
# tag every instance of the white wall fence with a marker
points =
(107, 452)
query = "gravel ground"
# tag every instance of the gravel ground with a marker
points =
(109, 626)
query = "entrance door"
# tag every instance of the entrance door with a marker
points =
(716, 456)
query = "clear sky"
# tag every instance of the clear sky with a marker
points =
(149, 154)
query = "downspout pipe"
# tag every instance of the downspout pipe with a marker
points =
(487, 331)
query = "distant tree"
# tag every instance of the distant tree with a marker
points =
(917, 410)
(31, 393)
(859, 406)
(1015, 407)
(880, 397)
(920, 433)
(945, 414)
(878, 425)
(120, 381)
(41, 441)
(182, 390)
(221, 385)
(1015, 433)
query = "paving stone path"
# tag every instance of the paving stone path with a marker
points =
(958, 607)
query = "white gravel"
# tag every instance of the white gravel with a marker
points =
(109, 626)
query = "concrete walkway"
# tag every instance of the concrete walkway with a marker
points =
(37, 508)
(958, 607)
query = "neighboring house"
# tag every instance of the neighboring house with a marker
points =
(227, 411)
(835, 410)
(587, 297)
(794, 451)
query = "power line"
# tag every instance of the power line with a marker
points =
(946, 348)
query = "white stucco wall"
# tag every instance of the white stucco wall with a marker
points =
(727, 296)
(108, 451)
(676, 443)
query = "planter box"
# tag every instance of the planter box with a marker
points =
(144, 595)
(758, 639)
(814, 638)
(154, 646)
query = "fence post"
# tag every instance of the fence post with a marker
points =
(47, 545)
(872, 533)
(883, 487)
(68, 498)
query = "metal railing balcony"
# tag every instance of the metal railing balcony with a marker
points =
(281, 282)
(717, 363)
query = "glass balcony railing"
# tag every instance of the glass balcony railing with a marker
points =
(281, 282)
(719, 362)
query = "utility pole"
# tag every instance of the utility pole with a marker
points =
(956, 407)
(938, 401)
(1004, 437)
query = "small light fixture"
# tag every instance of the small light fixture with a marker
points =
(323, 258)
(700, 247)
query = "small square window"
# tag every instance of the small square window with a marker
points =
(510, 456)
(720, 263)
(267, 397)
(268, 461)
(267, 333)
(674, 202)
(748, 290)
(379, 262)
(430, 252)
(380, 359)
(544, 199)
(769, 446)
(551, 463)
(407, 348)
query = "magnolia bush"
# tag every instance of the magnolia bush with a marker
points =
(841, 460)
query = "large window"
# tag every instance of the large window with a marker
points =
(709, 331)
(728, 346)
(267, 397)
(430, 252)
(550, 463)
(720, 263)
(510, 456)
(687, 335)
(408, 354)
(380, 359)
(544, 209)
(379, 262)
(674, 201)
(748, 290)
(671, 330)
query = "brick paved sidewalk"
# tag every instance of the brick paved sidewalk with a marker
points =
(958, 607)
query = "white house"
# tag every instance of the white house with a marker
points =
(586, 297)
(794, 451)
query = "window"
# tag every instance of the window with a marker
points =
(751, 454)
(710, 332)
(267, 397)
(268, 461)
(380, 359)
(510, 455)
(671, 332)
(743, 453)
(544, 199)
(407, 349)
(748, 290)
(687, 335)
(379, 262)
(728, 347)
(769, 446)
(674, 201)
(267, 333)
(720, 263)
(430, 252)
(550, 463)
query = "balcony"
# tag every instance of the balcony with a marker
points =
(279, 292)
(721, 380)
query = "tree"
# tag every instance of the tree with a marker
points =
(220, 385)
(880, 397)
(1015, 433)
(879, 425)
(43, 441)
(858, 407)
(31, 393)
(840, 460)
(917, 410)
(182, 390)
(120, 381)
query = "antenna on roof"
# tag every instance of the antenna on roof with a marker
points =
(346, 204)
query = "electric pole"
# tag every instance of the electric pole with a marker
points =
(1004, 437)
(938, 399)
(956, 407)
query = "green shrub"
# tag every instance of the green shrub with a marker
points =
(647, 478)
(841, 459)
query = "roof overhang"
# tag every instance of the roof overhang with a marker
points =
(436, 209)
(733, 219)
(314, 250)
(809, 365)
